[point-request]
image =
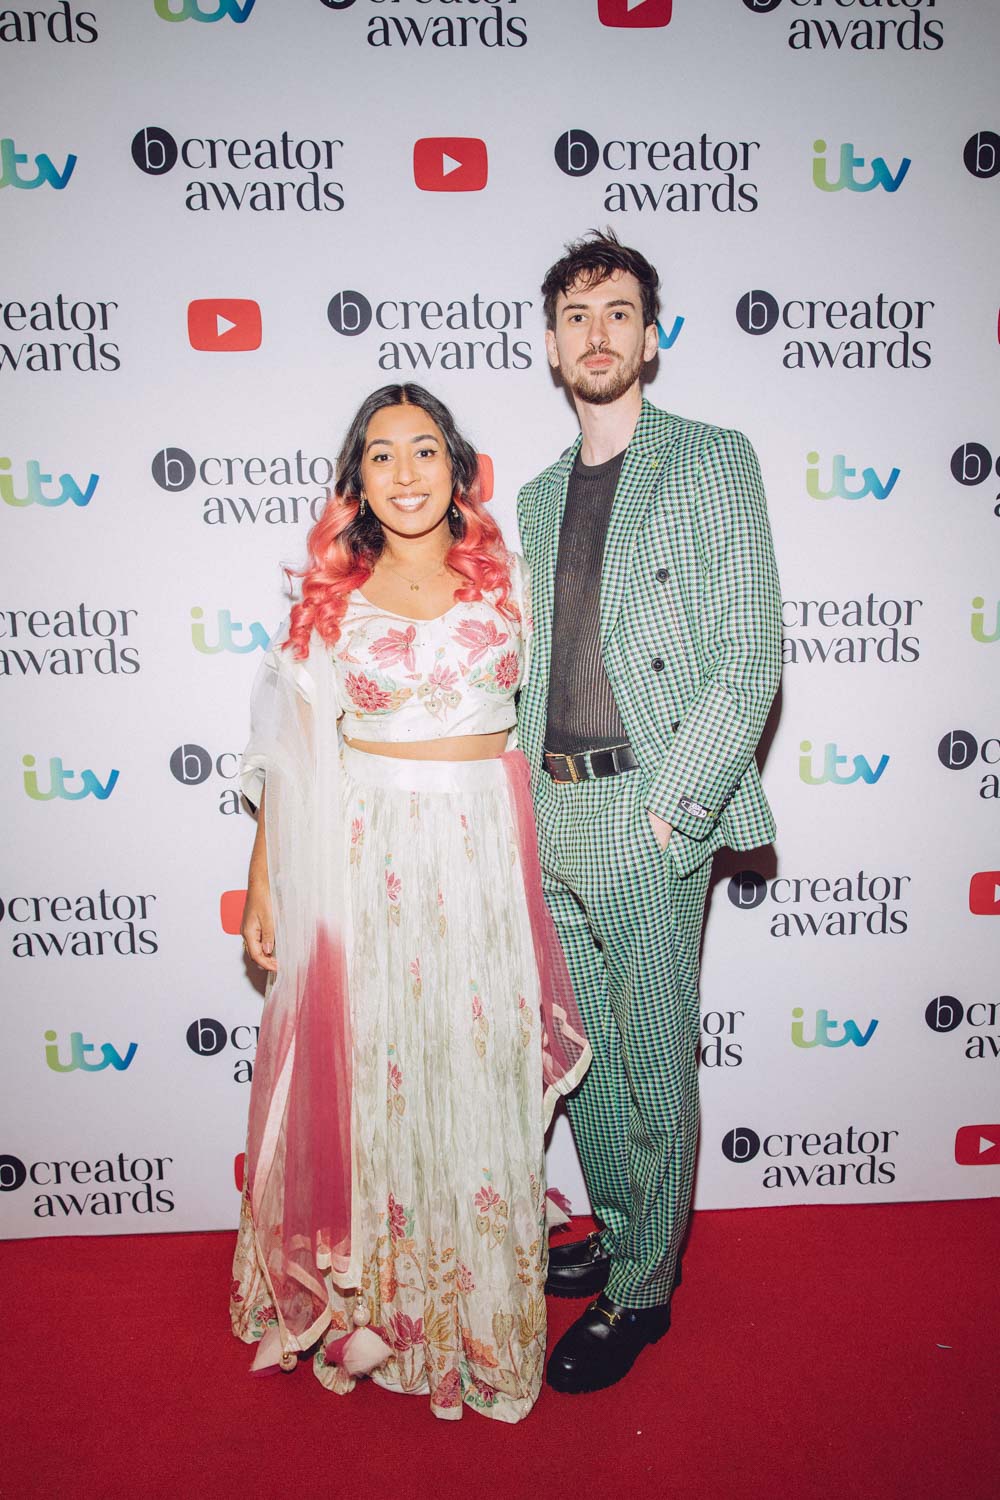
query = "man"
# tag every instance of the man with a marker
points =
(654, 663)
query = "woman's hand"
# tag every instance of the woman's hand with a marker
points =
(258, 926)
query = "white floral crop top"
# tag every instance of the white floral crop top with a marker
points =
(402, 679)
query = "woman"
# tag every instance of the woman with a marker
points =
(394, 1215)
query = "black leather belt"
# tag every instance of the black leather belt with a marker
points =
(590, 763)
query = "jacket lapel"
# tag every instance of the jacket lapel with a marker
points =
(546, 522)
(637, 484)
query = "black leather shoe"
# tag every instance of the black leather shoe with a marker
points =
(579, 1269)
(602, 1345)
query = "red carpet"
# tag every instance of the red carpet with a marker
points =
(815, 1352)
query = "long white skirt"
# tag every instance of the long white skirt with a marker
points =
(448, 1191)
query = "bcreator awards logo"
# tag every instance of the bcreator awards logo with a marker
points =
(84, 353)
(207, 1038)
(276, 484)
(235, 172)
(836, 906)
(958, 750)
(86, 925)
(759, 312)
(192, 765)
(946, 1013)
(435, 24)
(107, 1186)
(973, 464)
(59, 25)
(690, 175)
(835, 1158)
(982, 154)
(79, 640)
(855, 632)
(832, 31)
(351, 313)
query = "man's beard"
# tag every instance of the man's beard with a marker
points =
(602, 389)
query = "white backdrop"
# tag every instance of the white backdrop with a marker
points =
(151, 490)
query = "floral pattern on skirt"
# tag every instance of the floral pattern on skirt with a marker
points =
(449, 1206)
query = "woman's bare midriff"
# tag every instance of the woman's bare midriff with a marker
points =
(457, 747)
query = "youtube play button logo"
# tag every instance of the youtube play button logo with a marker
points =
(450, 164)
(984, 893)
(224, 325)
(977, 1145)
(634, 13)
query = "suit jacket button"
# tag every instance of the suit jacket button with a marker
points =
(657, 664)
(662, 574)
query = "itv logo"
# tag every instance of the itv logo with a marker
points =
(47, 174)
(78, 1049)
(60, 778)
(977, 625)
(861, 769)
(666, 340)
(35, 482)
(840, 486)
(848, 164)
(228, 632)
(237, 11)
(824, 1029)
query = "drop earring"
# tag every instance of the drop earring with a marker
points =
(454, 512)
(363, 507)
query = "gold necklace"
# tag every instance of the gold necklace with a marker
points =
(416, 582)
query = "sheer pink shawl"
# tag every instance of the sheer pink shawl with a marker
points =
(299, 1149)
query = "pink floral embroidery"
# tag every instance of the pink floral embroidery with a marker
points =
(405, 1332)
(395, 1076)
(464, 1280)
(449, 1390)
(396, 646)
(506, 670)
(393, 885)
(357, 830)
(366, 694)
(477, 1007)
(442, 677)
(478, 637)
(396, 1215)
(486, 1197)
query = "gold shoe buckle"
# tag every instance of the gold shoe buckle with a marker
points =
(613, 1318)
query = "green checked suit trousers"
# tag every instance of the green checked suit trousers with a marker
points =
(690, 617)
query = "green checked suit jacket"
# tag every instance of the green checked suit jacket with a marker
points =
(690, 620)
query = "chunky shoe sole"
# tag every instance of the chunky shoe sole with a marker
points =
(598, 1380)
